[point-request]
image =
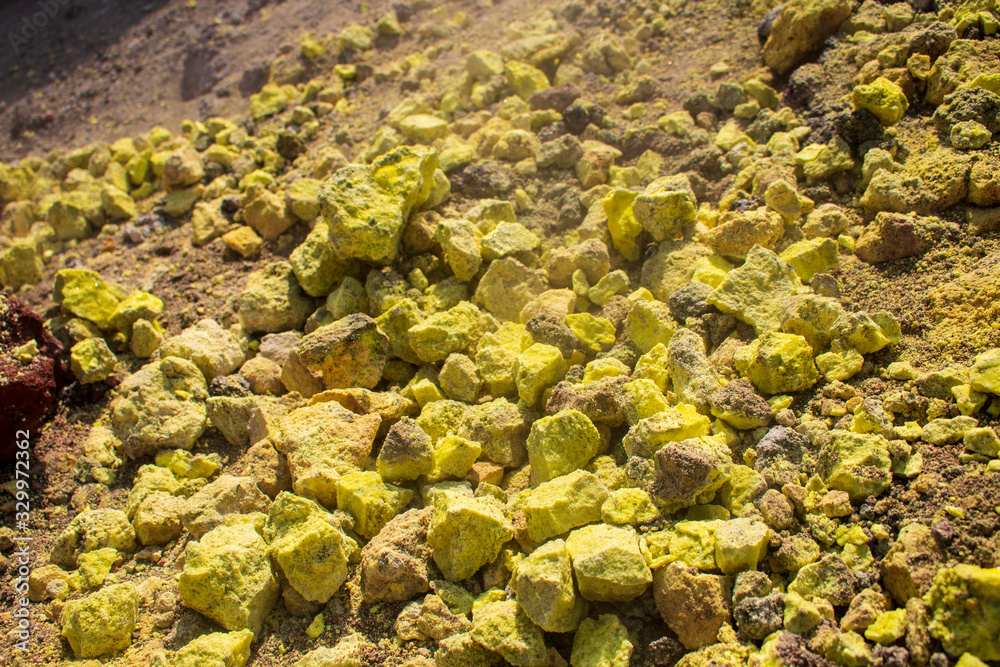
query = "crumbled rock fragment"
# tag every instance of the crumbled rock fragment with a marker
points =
(964, 610)
(564, 503)
(214, 350)
(406, 452)
(273, 301)
(909, 567)
(601, 643)
(778, 363)
(92, 360)
(350, 352)
(755, 292)
(370, 501)
(308, 545)
(559, 444)
(503, 627)
(324, 441)
(216, 649)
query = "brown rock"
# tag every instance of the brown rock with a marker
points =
(909, 567)
(438, 622)
(227, 495)
(267, 468)
(895, 236)
(397, 564)
(692, 604)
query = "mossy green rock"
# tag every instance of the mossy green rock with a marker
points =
(754, 293)
(561, 443)
(92, 360)
(368, 206)
(601, 643)
(160, 406)
(227, 577)
(884, 98)
(985, 373)
(444, 333)
(536, 369)
(466, 533)
(311, 552)
(666, 206)
(102, 623)
(370, 501)
(504, 628)
(85, 294)
(965, 610)
(857, 463)
(562, 504)
(545, 591)
(777, 363)
(608, 564)
(217, 649)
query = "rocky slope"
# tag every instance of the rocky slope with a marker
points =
(639, 333)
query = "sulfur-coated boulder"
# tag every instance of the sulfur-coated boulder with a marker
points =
(308, 546)
(160, 406)
(322, 442)
(101, 623)
(503, 627)
(367, 206)
(561, 443)
(536, 369)
(564, 503)
(755, 292)
(370, 501)
(857, 463)
(350, 352)
(273, 301)
(406, 453)
(601, 643)
(778, 363)
(85, 294)
(965, 610)
(799, 31)
(216, 649)
(214, 350)
(444, 333)
(608, 564)
(666, 206)
(208, 508)
(466, 533)
(692, 604)
(227, 577)
(397, 564)
(545, 590)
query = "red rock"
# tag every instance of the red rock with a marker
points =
(27, 390)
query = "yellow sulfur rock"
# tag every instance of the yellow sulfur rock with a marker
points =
(525, 79)
(466, 533)
(777, 363)
(812, 256)
(217, 649)
(102, 623)
(622, 225)
(537, 368)
(544, 588)
(453, 456)
(562, 504)
(370, 501)
(310, 551)
(629, 506)
(596, 333)
(649, 324)
(608, 564)
(561, 443)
